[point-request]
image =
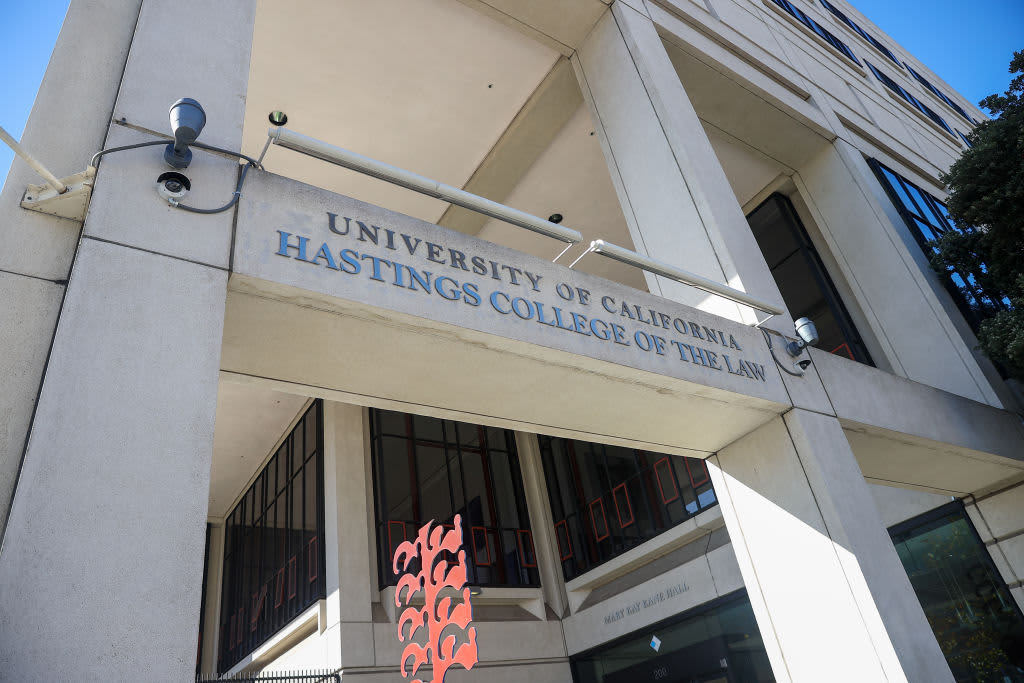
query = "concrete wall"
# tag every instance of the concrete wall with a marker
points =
(109, 515)
(67, 125)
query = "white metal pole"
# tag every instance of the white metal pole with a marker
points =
(51, 179)
(412, 181)
(632, 258)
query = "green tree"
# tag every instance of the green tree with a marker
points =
(986, 203)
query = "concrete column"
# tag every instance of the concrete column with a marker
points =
(211, 613)
(545, 545)
(831, 598)
(999, 519)
(677, 201)
(103, 552)
(68, 123)
(892, 281)
(347, 502)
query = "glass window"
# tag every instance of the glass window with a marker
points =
(608, 499)
(718, 642)
(429, 469)
(927, 218)
(273, 547)
(899, 90)
(839, 14)
(938, 93)
(824, 33)
(803, 282)
(976, 621)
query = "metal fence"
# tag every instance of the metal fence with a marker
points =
(318, 676)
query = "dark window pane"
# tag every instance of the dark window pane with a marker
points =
(434, 496)
(803, 281)
(608, 499)
(271, 570)
(461, 469)
(974, 617)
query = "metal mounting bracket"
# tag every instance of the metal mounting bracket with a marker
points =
(70, 204)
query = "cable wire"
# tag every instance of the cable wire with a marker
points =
(150, 143)
(768, 338)
(234, 199)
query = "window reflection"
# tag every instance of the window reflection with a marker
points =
(975, 619)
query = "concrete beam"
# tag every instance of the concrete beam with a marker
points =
(550, 106)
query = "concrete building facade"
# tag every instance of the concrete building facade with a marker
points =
(217, 427)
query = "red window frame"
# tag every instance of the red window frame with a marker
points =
(487, 545)
(661, 484)
(520, 534)
(604, 518)
(629, 505)
(563, 555)
(689, 473)
(312, 556)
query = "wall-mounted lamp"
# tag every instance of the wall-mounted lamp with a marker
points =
(187, 121)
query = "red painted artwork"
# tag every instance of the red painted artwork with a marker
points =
(434, 546)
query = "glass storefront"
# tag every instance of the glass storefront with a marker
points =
(716, 643)
(975, 619)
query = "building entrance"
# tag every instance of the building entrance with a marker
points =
(716, 643)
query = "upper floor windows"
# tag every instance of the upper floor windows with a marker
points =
(802, 279)
(429, 469)
(927, 219)
(859, 31)
(899, 90)
(817, 28)
(273, 544)
(938, 93)
(607, 499)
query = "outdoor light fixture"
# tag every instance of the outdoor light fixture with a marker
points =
(636, 260)
(278, 118)
(417, 183)
(808, 334)
(187, 121)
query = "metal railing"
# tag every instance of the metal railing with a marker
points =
(309, 676)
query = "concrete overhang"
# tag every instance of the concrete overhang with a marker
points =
(909, 434)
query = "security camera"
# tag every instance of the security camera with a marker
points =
(187, 121)
(807, 331)
(172, 186)
(808, 334)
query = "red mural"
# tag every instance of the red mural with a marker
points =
(433, 546)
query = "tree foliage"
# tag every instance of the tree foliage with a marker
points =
(986, 203)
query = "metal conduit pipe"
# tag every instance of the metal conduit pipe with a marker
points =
(636, 260)
(51, 180)
(417, 183)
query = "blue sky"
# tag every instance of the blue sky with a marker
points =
(968, 44)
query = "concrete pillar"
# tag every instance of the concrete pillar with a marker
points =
(831, 598)
(677, 201)
(998, 517)
(68, 123)
(891, 281)
(348, 501)
(103, 552)
(545, 545)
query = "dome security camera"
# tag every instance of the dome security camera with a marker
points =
(187, 121)
(808, 334)
(172, 186)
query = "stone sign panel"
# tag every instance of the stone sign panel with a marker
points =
(306, 237)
